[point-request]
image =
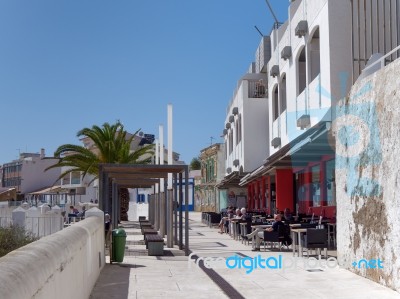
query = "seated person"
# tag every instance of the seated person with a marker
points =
(259, 234)
(107, 228)
(225, 220)
(73, 210)
(238, 214)
(287, 215)
(82, 214)
(245, 215)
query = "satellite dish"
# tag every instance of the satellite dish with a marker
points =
(140, 133)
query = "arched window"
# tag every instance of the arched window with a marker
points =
(301, 71)
(315, 63)
(283, 94)
(239, 128)
(275, 103)
(237, 131)
(230, 142)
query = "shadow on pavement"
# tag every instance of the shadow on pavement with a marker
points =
(113, 281)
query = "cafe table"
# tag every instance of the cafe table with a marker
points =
(295, 225)
(297, 240)
(233, 231)
(242, 230)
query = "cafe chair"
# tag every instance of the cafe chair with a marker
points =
(281, 237)
(246, 231)
(271, 237)
(316, 239)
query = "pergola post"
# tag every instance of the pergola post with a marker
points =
(180, 212)
(162, 214)
(156, 208)
(114, 201)
(186, 210)
(175, 209)
(152, 207)
(170, 217)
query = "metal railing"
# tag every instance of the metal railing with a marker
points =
(382, 61)
(257, 89)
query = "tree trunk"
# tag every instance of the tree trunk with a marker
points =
(124, 201)
(123, 197)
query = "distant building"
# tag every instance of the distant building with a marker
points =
(207, 196)
(28, 174)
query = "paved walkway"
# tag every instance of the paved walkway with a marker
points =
(172, 276)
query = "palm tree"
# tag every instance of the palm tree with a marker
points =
(111, 144)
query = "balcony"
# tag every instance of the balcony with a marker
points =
(257, 89)
(249, 86)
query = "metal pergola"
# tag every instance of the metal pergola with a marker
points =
(165, 208)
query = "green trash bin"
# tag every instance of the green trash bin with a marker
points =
(118, 241)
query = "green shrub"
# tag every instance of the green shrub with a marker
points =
(14, 237)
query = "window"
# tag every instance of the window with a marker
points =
(315, 64)
(301, 71)
(275, 103)
(239, 128)
(315, 186)
(75, 177)
(237, 131)
(283, 94)
(230, 142)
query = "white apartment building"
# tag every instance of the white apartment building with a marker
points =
(246, 120)
(317, 55)
(27, 174)
(285, 153)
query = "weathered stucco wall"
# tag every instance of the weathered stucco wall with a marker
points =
(367, 129)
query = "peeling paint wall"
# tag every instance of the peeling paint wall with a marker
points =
(367, 130)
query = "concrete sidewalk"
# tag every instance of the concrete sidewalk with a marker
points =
(173, 276)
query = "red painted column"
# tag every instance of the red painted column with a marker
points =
(269, 193)
(308, 184)
(248, 196)
(284, 189)
(255, 195)
(258, 194)
(253, 202)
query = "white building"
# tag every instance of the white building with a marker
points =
(27, 174)
(246, 120)
(324, 48)
(285, 154)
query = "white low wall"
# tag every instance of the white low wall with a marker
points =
(66, 264)
(138, 209)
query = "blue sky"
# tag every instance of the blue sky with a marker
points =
(70, 64)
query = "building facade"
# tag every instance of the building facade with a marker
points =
(331, 151)
(246, 120)
(212, 161)
(27, 174)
